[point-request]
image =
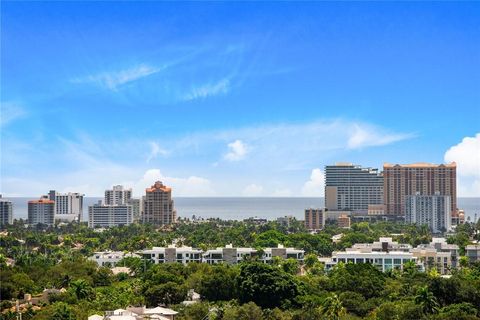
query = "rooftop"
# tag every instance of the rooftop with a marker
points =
(420, 165)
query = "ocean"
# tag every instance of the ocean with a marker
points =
(239, 208)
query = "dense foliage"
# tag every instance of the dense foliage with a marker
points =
(57, 258)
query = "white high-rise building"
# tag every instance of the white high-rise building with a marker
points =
(117, 195)
(6, 211)
(68, 206)
(105, 216)
(350, 187)
(433, 211)
(41, 211)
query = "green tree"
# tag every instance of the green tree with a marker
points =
(332, 307)
(426, 300)
(81, 289)
(266, 285)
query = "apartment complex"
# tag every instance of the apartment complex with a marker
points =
(383, 260)
(117, 195)
(68, 206)
(110, 258)
(170, 254)
(352, 187)
(41, 211)
(314, 219)
(106, 216)
(6, 211)
(158, 205)
(433, 211)
(232, 255)
(426, 179)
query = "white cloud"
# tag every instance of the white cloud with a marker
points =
(10, 111)
(467, 156)
(253, 190)
(368, 136)
(237, 151)
(315, 186)
(155, 150)
(112, 80)
(209, 89)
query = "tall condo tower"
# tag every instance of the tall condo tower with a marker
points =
(158, 205)
(352, 188)
(402, 180)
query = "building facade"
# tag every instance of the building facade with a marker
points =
(106, 216)
(344, 221)
(352, 188)
(433, 211)
(6, 211)
(137, 208)
(68, 206)
(41, 211)
(171, 254)
(383, 260)
(427, 179)
(117, 195)
(158, 206)
(110, 258)
(314, 219)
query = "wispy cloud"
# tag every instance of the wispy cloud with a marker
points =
(10, 111)
(369, 136)
(113, 80)
(208, 90)
(155, 151)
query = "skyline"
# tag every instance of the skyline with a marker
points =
(220, 99)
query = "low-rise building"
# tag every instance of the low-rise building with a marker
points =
(376, 210)
(172, 254)
(384, 244)
(110, 258)
(344, 221)
(231, 255)
(433, 259)
(383, 260)
(472, 252)
(137, 313)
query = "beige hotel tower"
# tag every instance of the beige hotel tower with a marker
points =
(158, 205)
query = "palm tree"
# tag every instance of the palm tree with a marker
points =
(332, 307)
(81, 289)
(426, 300)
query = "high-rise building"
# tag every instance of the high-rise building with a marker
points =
(314, 219)
(41, 211)
(426, 179)
(117, 195)
(352, 188)
(68, 206)
(433, 211)
(6, 211)
(158, 205)
(137, 208)
(106, 216)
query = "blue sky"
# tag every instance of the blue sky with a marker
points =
(224, 99)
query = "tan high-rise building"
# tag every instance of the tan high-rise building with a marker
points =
(426, 179)
(158, 205)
